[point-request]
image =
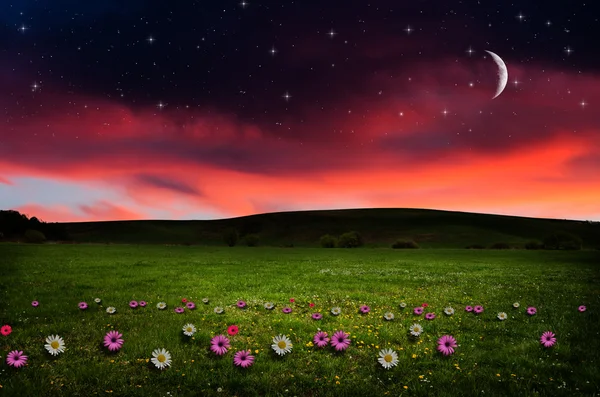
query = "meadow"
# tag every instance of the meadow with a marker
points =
(493, 357)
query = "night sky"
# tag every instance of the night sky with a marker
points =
(210, 109)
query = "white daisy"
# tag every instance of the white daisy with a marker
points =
(55, 344)
(161, 305)
(336, 311)
(415, 329)
(205, 300)
(189, 329)
(218, 310)
(502, 316)
(388, 358)
(388, 316)
(269, 305)
(98, 300)
(449, 311)
(282, 345)
(161, 358)
(111, 310)
(516, 305)
(402, 305)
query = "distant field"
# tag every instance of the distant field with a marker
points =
(493, 357)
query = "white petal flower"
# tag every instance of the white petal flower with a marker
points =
(416, 329)
(98, 300)
(388, 316)
(502, 316)
(55, 344)
(218, 310)
(282, 345)
(161, 358)
(402, 305)
(189, 329)
(161, 305)
(111, 310)
(336, 311)
(388, 358)
(449, 311)
(516, 305)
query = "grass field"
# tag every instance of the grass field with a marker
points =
(492, 358)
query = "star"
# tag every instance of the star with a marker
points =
(286, 96)
(150, 39)
(273, 50)
(470, 51)
(520, 17)
(548, 23)
(445, 112)
(408, 29)
(243, 4)
(471, 84)
(568, 50)
(161, 105)
(34, 87)
(583, 103)
(331, 33)
(23, 28)
(516, 82)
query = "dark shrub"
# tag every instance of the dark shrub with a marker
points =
(328, 241)
(534, 245)
(34, 236)
(475, 246)
(251, 240)
(231, 237)
(500, 246)
(562, 241)
(405, 244)
(350, 240)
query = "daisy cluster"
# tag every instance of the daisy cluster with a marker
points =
(281, 344)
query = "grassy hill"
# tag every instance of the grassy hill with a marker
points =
(379, 228)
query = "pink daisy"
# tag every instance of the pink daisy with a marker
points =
(317, 316)
(183, 300)
(292, 300)
(311, 304)
(113, 340)
(83, 305)
(287, 310)
(143, 303)
(233, 330)
(179, 310)
(582, 308)
(429, 316)
(243, 358)
(548, 339)
(5, 330)
(446, 345)
(16, 359)
(478, 309)
(133, 304)
(468, 308)
(190, 305)
(531, 310)
(219, 345)
(424, 304)
(321, 339)
(418, 311)
(364, 309)
(241, 304)
(340, 341)
(35, 303)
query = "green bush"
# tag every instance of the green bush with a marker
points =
(251, 240)
(34, 236)
(534, 245)
(405, 244)
(231, 237)
(328, 241)
(562, 241)
(500, 246)
(350, 240)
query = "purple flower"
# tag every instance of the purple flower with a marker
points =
(468, 308)
(548, 339)
(340, 341)
(16, 358)
(36, 304)
(190, 305)
(478, 309)
(582, 308)
(179, 310)
(241, 304)
(418, 310)
(531, 310)
(364, 309)
(83, 305)
(113, 340)
(446, 345)
(143, 303)
(219, 345)
(287, 310)
(243, 358)
(133, 304)
(321, 339)
(317, 316)
(430, 316)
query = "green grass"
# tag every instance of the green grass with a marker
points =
(61, 276)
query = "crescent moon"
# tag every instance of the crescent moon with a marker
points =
(502, 73)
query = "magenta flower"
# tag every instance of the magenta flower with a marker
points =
(364, 309)
(190, 305)
(35, 303)
(321, 339)
(429, 316)
(317, 316)
(179, 310)
(548, 339)
(340, 341)
(219, 345)
(531, 310)
(16, 359)
(478, 309)
(582, 308)
(468, 308)
(143, 303)
(83, 305)
(287, 310)
(113, 340)
(446, 345)
(241, 304)
(133, 304)
(418, 311)
(243, 358)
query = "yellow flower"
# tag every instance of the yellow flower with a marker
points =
(420, 376)
(497, 374)
(406, 387)
(414, 356)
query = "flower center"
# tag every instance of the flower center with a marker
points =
(54, 344)
(281, 344)
(388, 358)
(161, 358)
(113, 339)
(189, 329)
